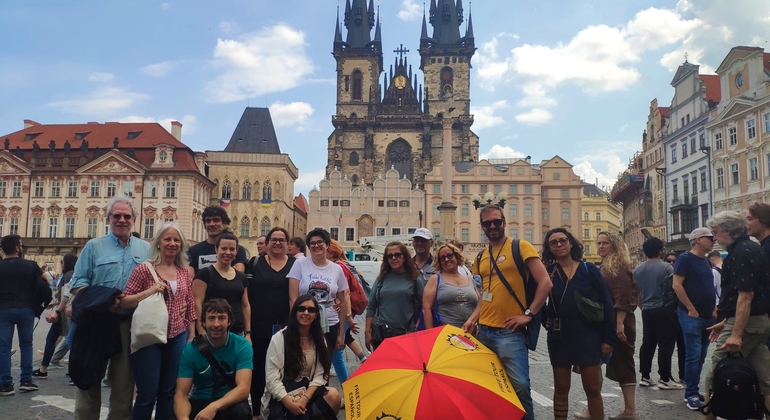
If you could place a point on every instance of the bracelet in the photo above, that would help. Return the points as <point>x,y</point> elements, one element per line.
<point>306,397</point>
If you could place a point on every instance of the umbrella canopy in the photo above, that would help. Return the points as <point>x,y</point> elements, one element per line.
<point>441,373</point>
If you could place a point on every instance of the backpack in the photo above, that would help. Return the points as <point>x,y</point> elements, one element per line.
<point>735,393</point>
<point>358,299</point>
<point>667,294</point>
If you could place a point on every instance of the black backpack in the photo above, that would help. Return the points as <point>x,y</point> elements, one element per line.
<point>667,294</point>
<point>735,393</point>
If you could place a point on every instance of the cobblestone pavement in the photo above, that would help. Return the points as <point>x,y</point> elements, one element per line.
<point>56,400</point>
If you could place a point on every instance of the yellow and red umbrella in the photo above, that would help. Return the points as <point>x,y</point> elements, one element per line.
<point>440,373</point>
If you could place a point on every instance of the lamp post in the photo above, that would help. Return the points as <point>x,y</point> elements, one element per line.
<point>489,197</point>
<point>707,151</point>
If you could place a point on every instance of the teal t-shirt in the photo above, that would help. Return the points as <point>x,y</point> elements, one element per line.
<point>235,355</point>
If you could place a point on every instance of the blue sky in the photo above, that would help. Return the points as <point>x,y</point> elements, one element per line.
<point>573,78</point>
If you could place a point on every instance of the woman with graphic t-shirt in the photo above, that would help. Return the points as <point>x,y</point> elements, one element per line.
<point>220,280</point>
<point>325,281</point>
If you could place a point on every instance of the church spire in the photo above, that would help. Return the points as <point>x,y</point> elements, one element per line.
<point>377,30</point>
<point>459,11</point>
<point>359,21</point>
<point>337,32</point>
<point>424,34</point>
<point>446,24</point>
<point>469,29</point>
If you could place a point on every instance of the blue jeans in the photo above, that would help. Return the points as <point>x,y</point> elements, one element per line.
<point>510,348</point>
<point>696,344</point>
<point>70,334</point>
<point>156,368</point>
<point>50,343</point>
<point>24,321</point>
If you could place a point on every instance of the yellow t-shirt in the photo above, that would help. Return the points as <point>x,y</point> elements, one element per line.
<point>503,305</point>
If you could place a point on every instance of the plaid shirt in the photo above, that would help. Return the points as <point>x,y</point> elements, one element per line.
<point>180,305</point>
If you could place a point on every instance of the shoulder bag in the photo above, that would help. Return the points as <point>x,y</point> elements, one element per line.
<point>590,310</point>
<point>149,324</point>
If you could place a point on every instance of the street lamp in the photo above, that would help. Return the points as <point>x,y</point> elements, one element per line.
<point>489,197</point>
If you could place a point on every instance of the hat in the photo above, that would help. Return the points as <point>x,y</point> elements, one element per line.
<point>700,233</point>
<point>423,233</point>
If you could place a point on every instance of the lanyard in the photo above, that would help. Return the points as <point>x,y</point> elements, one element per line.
<point>493,261</point>
<point>560,270</point>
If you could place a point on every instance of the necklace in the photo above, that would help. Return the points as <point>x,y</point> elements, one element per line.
<point>304,338</point>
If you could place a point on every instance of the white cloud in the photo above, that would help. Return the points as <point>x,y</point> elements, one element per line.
<point>165,6</point>
<point>536,116</point>
<point>104,100</point>
<point>101,77</point>
<point>158,69</point>
<point>294,113</point>
<point>228,26</point>
<point>607,179</point>
<point>271,60</point>
<point>307,180</point>
<point>535,96</point>
<point>501,152</point>
<point>410,11</point>
<point>188,122</point>
<point>484,116</point>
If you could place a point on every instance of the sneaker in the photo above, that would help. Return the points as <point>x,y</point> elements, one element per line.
<point>28,386</point>
<point>333,372</point>
<point>105,383</point>
<point>670,384</point>
<point>55,366</point>
<point>694,403</point>
<point>40,375</point>
<point>701,397</point>
<point>6,390</point>
<point>70,382</point>
<point>646,382</point>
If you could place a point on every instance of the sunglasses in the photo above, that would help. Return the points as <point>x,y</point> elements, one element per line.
<point>117,217</point>
<point>556,242</point>
<point>671,261</point>
<point>308,309</point>
<point>447,257</point>
<point>394,255</point>
<point>488,223</point>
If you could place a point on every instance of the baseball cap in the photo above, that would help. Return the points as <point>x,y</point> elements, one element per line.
<point>423,233</point>
<point>700,232</point>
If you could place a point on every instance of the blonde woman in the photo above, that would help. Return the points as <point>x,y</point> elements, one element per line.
<point>452,292</point>
<point>616,270</point>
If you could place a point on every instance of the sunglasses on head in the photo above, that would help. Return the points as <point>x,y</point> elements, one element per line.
<point>489,223</point>
<point>308,309</point>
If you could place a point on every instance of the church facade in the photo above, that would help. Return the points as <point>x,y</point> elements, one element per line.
<point>392,121</point>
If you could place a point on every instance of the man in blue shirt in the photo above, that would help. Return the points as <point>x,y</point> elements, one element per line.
<point>108,261</point>
<point>694,287</point>
<point>215,397</point>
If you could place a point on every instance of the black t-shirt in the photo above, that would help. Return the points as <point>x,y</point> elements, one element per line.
<point>269,297</point>
<point>698,283</point>
<point>229,290</point>
<point>18,282</point>
<point>744,270</point>
<point>204,254</point>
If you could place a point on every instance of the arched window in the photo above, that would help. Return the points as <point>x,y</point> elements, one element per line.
<point>246,195</point>
<point>267,193</point>
<point>355,179</point>
<point>585,216</point>
<point>354,158</point>
<point>226,190</point>
<point>245,227</point>
<point>358,83</point>
<point>265,226</point>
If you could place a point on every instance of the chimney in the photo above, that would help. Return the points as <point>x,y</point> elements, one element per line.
<point>176,130</point>
<point>30,123</point>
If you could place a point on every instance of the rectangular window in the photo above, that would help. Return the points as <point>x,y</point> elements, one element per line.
<point>544,213</point>
<point>675,222</point>
<point>107,228</point>
<point>692,144</point>
<point>402,203</point>
<point>2,222</point>
<point>751,128</point>
<point>55,188</point>
<point>16,189</point>
<point>673,155</point>
<point>380,231</point>
<point>528,210</point>
<point>53,227</point>
<point>151,190</point>
<point>543,193</point>
<point>91,227</point>
<point>436,188</point>
<point>335,203</point>
<point>686,188</point>
<point>684,150</point>
<point>587,249</point>
<point>753,169</point>
<point>565,193</point>
<point>380,203</point>
<point>720,178</point>
<point>513,210</point>
<point>767,158</point>
<point>734,173</point>
<point>171,220</point>
<point>346,203</point>
<point>3,186</point>
<point>436,212</point>
<point>350,234</point>
<point>702,140</point>
<point>69,227</point>
<point>483,188</point>
<point>464,209</point>
<point>392,203</point>
<point>13,226</point>
<point>704,212</point>
<point>733,134</point>
<point>465,235</point>
<point>598,231</point>
<point>528,234</point>
<point>694,184</point>
<point>586,233</point>
<point>72,189</point>
<point>411,231</point>
<point>703,181</point>
<point>465,188</point>
<point>565,213</point>
<point>149,228</point>
<point>395,231</point>
<point>718,141</point>
<point>128,189</point>
<point>498,189</point>
<point>334,232</point>
<point>513,189</point>
<point>767,123</point>
<point>170,189</point>
<point>94,189</point>
<point>324,203</point>
<point>528,189</point>
<point>39,187</point>
<point>437,232</point>
<point>112,188</point>
<point>675,191</point>
<point>36,221</point>
<point>515,233</point>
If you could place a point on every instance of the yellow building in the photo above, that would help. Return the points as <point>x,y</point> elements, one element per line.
<point>56,198</point>
<point>599,214</point>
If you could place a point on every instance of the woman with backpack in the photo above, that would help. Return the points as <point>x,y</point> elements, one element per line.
<point>269,301</point>
<point>451,292</point>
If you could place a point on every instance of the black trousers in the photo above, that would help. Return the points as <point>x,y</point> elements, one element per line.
<point>237,411</point>
<point>260,346</point>
<point>659,330</point>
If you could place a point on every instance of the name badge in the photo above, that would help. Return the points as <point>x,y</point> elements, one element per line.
<point>487,296</point>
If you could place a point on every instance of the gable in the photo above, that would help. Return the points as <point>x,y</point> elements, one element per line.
<point>11,165</point>
<point>111,163</point>
<point>734,107</point>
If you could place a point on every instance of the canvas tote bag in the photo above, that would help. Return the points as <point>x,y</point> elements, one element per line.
<point>149,324</point>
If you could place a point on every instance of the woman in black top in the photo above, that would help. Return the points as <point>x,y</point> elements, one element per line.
<point>269,299</point>
<point>220,280</point>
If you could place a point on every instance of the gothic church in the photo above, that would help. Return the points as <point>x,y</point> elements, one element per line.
<point>398,123</point>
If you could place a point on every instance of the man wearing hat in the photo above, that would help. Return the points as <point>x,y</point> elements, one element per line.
<point>422,242</point>
<point>694,287</point>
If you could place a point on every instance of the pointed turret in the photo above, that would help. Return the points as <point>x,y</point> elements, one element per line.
<point>347,12</point>
<point>371,13</point>
<point>459,11</point>
<point>337,31</point>
<point>377,30</point>
<point>469,30</point>
<point>424,33</point>
<point>359,21</point>
<point>446,25</point>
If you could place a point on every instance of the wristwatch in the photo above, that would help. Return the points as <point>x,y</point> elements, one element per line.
<point>529,313</point>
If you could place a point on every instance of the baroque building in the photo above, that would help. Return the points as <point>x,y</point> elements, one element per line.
<point>600,214</point>
<point>653,213</point>
<point>628,191</point>
<point>396,122</point>
<point>56,198</point>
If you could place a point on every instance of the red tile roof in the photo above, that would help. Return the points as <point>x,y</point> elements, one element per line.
<point>146,136</point>
<point>713,87</point>
<point>664,111</point>
<point>301,202</point>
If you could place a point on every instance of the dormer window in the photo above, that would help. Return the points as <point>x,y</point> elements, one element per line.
<point>81,136</point>
<point>133,134</point>
<point>31,136</point>
<point>162,156</point>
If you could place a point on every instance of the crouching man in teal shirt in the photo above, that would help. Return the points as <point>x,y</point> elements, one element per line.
<point>219,391</point>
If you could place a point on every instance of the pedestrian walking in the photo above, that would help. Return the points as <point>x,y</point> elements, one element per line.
<point>453,294</point>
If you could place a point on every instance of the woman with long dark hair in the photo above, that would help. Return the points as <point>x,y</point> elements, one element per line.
<point>396,297</point>
<point>572,340</point>
<point>297,367</point>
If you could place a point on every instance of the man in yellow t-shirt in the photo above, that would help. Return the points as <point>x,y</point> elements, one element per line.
<point>502,322</point>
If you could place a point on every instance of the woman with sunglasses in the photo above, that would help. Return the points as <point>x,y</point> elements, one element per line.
<point>396,297</point>
<point>221,280</point>
<point>298,364</point>
<point>616,271</point>
<point>156,366</point>
<point>453,293</point>
<point>325,281</point>
<point>573,341</point>
<point>269,301</point>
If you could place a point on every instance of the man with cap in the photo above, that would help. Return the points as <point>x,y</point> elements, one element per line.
<point>422,242</point>
<point>694,287</point>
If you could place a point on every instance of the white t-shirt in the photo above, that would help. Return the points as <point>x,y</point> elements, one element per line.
<point>322,283</point>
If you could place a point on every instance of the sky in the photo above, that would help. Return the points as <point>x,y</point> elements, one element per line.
<point>567,77</point>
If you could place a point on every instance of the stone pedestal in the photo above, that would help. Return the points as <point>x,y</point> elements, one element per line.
<point>447,218</point>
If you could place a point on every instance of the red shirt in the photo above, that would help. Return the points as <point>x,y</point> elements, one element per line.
<point>180,305</point>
